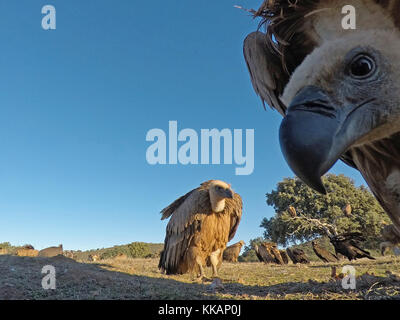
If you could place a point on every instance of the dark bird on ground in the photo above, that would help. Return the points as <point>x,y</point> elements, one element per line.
<point>284,256</point>
<point>232,252</point>
<point>258,253</point>
<point>297,255</point>
<point>323,254</point>
<point>338,89</point>
<point>202,222</point>
<point>349,246</point>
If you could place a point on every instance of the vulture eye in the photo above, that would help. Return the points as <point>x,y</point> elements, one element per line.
<point>362,67</point>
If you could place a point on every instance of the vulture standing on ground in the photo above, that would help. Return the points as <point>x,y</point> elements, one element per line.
<point>268,252</point>
<point>338,89</point>
<point>232,252</point>
<point>323,254</point>
<point>284,256</point>
<point>263,254</point>
<point>297,255</point>
<point>390,239</point>
<point>258,253</point>
<point>202,222</point>
<point>273,249</point>
<point>347,245</point>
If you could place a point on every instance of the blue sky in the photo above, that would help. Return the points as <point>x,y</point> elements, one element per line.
<point>78,101</point>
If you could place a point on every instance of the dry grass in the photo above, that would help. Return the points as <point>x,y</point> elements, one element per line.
<point>27,253</point>
<point>140,279</point>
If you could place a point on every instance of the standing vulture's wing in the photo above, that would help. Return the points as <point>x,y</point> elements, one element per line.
<point>187,214</point>
<point>234,208</point>
<point>266,72</point>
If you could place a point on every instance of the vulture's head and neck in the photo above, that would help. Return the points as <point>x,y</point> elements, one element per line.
<point>344,102</point>
<point>219,191</point>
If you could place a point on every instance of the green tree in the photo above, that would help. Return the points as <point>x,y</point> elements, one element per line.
<point>367,215</point>
<point>138,250</point>
<point>5,245</point>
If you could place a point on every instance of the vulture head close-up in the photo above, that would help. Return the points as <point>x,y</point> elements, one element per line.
<point>338,89</point>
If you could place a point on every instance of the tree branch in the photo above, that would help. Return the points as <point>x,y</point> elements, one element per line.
<point>329,229</point>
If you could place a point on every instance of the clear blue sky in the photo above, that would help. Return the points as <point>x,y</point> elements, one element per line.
<point>76,104</point>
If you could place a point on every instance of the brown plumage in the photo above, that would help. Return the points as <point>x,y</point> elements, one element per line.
<point>390,238</point>
<point>284,256</point>
<point>259,253</point>
<point>267,252</point>
<point>51,251</point>
<point>347,210</point>
<point>348,245</point>
<point>319,76</point>
<point>202,222</point>
<point>297,255</point>
<point>274,252</point>
<point>323,254</point>
<point>292,212</point>
<point>263,254</point>
<point>232,252</point>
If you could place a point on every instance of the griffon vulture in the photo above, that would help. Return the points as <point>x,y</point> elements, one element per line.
<point>347,210</point>
<point>232,252</point>
<point>268,252</point>
<point>292,212</point>
<point>323,254</point>
<point>273,250</point>
<point>338,89</point>
<point>263,254</point>
<point>390,239</point>
<point>202,222</point>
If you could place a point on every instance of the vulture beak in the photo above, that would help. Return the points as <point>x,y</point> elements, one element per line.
<point>315,133</point>
<point>229,194</point>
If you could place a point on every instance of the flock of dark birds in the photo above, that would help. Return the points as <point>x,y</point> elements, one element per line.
<point>346,245</point>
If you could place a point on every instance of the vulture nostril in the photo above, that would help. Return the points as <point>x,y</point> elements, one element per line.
<point>315,107</point>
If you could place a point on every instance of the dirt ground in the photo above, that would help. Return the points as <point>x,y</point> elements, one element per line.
<point>21,278</point>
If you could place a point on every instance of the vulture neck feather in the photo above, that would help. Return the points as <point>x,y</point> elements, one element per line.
<point>379,164</point>
<point>217,203</point>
